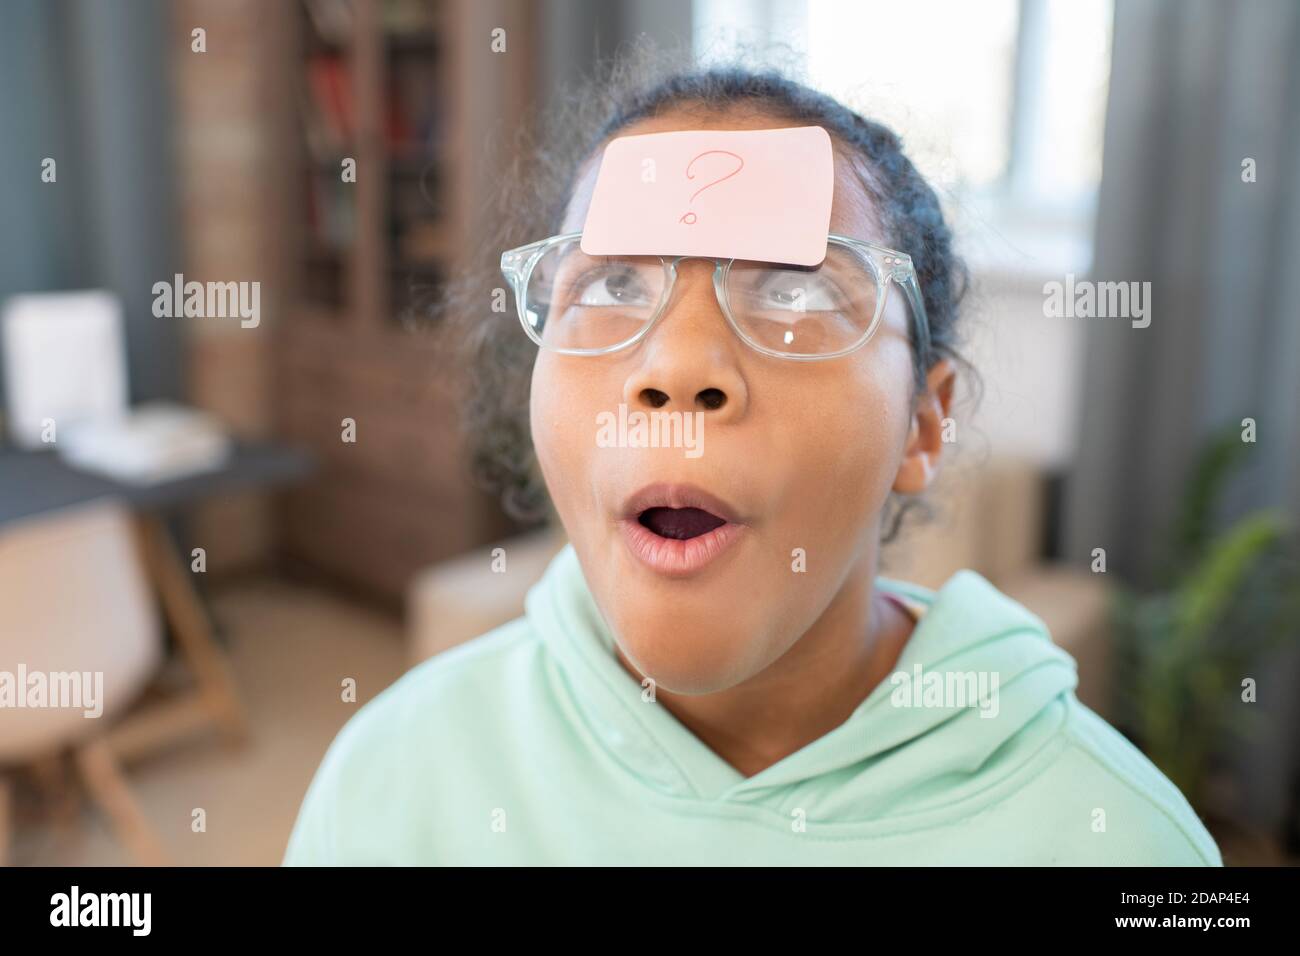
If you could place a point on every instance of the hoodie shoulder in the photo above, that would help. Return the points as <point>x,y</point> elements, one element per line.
<point>1157,825</point>
<point>472,671</point>
<point>403,736</point>
<point>1100,798</point>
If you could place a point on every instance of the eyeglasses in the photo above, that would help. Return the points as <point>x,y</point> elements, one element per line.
<point>576,304</point>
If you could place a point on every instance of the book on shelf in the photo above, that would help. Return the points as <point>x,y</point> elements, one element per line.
<point>329,107</point>
<point>331,213</point>
<point>422,242</point>
<point>333,20</point>
<point>408,17</point>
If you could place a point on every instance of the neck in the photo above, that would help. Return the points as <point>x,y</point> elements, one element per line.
<point>807,692</point>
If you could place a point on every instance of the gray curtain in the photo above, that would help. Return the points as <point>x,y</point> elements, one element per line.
<point>1198,86</point>
<point>87,84</point>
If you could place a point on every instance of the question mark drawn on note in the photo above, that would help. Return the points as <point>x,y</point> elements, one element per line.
<point>690,218</point>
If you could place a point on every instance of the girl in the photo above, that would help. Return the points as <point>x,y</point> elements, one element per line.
<point>711,671</point>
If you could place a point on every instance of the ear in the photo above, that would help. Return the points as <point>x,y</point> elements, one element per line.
<point>925,437</point>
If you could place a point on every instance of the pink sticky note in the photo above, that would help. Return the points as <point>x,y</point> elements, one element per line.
<point>743,194</point>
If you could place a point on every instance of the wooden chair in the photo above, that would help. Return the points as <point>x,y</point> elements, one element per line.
<point>76,597</point>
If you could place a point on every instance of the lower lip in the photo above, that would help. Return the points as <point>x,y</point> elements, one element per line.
<point>678,557</point>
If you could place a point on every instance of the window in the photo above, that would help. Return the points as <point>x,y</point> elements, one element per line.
<point>1000,103</point>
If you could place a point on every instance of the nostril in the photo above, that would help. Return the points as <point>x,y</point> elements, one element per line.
<point>712,398</point>
<point>654,398</point>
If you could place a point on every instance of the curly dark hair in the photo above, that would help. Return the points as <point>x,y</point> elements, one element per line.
<point>534,197</point>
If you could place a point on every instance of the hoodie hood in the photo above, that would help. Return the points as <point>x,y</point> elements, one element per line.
<point>978,690</point>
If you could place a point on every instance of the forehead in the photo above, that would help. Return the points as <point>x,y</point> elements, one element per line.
<point>852,212</point>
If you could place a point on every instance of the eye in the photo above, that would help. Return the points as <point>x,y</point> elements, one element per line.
<point>799,292</point>
<point>609,286</point>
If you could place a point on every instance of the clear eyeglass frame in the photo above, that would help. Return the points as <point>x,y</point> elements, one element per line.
<point>889,265</point>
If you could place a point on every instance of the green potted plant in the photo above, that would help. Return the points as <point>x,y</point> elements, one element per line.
<point>1187,649</point>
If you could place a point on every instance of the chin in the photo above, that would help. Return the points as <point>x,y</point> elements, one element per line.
<point>691,653</point>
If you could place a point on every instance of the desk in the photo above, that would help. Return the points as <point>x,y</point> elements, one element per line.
<point>33,483</point>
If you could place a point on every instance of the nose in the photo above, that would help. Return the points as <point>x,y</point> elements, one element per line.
<point>689,362</point>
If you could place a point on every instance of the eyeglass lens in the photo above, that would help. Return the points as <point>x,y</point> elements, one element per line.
<point>590,303</point>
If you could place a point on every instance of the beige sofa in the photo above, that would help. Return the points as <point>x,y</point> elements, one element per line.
<point>989,520</point>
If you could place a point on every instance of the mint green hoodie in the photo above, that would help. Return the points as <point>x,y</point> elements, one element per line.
<point>532,745</point>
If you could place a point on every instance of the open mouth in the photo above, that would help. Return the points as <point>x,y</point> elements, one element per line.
<point>680,524</point>
<point>677,530</point>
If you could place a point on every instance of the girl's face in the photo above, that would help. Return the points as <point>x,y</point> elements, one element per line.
<point>798,457</point>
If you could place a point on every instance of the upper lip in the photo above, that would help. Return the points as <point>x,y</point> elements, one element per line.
<point>664,495</point>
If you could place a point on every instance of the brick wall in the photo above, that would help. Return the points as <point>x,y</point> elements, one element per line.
<point>229,143</point>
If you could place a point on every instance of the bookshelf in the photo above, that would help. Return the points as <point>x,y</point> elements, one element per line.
<point>402,88</point>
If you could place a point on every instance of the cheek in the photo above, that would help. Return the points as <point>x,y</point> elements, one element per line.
<point>868,431</point>
<point>558,418</point>
<point>846,430</point>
